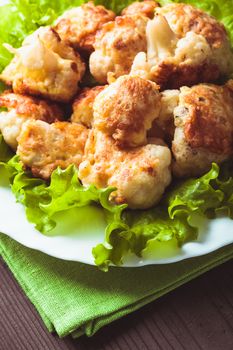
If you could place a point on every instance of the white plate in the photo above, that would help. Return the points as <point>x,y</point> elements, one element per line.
<point>75,235</point>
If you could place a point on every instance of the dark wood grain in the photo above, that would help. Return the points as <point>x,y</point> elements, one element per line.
<point>198,315</point>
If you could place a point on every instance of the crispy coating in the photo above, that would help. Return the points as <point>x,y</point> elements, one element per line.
<point>45,66</point>
<point>126,109</point>
<point>79,25</point>
<point>20,108</point>
<point>43,147</point>
<point>204,128</point>
<point>139,174</point>
<point>116,45</point>
<point>31,107</point>
<point>146,8</point>
<point>185,46</point>
<point>83,106</point>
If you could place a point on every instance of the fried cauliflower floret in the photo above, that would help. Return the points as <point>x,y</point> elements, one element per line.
<point>183,18</point>
<point>146,8</point>
<point>79,25</point>
<point>164,126</point>
<point>116,45</point>
<point>83,106</point>
<point>43,147</point>
<point>20,108</point>
<point>44,66</point>
<point>126,109</point>
<point>139,174</point>
<point>185,46</point>
<point>204,129</point>
<point>169,101</point>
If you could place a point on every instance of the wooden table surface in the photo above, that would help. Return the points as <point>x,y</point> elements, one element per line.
<point>198,315</point>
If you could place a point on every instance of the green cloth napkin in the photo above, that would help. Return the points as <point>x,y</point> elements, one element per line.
<point>73,298</point>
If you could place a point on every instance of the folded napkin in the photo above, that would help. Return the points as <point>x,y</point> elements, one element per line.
<point>73,298</point>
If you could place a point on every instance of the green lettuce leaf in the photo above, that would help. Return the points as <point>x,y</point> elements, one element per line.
<point>225,184</point>
<point>42,200</point>
<point>5,152</point>
<point>172,219</point>
<point>127,231</point>
<point>195,195</point>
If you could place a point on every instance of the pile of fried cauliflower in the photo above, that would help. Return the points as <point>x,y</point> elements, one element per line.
<point>158,110</point>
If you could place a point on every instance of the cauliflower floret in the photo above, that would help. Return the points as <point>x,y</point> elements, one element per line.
<point>183,18</point>
<point>192,49</point>
<point>20,108</point>
<point>83,106</point>
<point>146,8</point>
<point>116,45</point>
<point>43,147</point>
<point>44,66</point>
<point>79,25</point>
<point>185,46</point>
<point>169,101</point>
<point>204,129</point>
<point>141,67</point>
<point>126,109</point>
<point>139,174</point>
<point>164,126</point>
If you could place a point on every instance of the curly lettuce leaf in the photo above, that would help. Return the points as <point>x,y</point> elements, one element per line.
<point>127,231</point>
<point>5,152</point>
<point>225,184</point>
<point>134,231</point>
<point>195,195</point>
<point>172,219</point>
<point>42,200</point>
